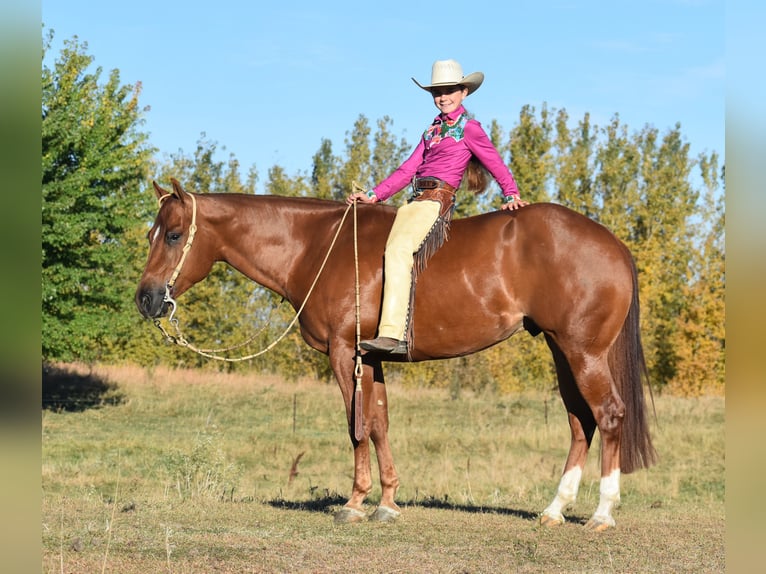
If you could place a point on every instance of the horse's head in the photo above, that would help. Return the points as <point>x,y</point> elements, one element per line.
<point>176,261</point>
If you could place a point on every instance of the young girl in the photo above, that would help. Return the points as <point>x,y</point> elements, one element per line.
<point>453,145</point>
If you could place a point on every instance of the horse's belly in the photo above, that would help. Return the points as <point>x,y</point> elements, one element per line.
<point>456,332</point>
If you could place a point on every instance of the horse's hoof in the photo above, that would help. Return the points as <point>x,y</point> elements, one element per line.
<point>550,521</point>
<point>348,515</point>
<point>600,523</point>
<point>384,514</point>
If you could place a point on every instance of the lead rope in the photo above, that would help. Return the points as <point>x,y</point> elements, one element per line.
<point>179,338</point>
<point>358,370</point>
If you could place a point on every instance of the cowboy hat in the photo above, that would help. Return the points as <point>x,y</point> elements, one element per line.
<point>450,73</point>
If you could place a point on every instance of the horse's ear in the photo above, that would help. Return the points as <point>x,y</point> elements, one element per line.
<point>178,190</point>
<point>158,190</point>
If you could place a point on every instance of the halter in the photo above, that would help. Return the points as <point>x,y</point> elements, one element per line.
<point>177,271</point>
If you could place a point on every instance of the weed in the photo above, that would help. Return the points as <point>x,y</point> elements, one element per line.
<point>203,471</point>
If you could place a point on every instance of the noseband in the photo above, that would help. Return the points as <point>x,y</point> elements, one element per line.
<point>189,240</point>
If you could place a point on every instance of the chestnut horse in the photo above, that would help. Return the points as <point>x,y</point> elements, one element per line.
<point>543,268</point>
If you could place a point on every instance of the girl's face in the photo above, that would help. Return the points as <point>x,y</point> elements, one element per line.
<point>449,98</point>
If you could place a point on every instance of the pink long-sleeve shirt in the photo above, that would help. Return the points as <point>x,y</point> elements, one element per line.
<point>444,151</point>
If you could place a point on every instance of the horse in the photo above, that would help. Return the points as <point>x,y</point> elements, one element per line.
<point>543,268</point>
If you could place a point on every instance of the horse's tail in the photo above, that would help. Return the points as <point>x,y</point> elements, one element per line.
<point>628,366</point>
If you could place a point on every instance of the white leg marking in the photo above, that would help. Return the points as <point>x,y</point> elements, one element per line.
<point>566,494</point>
<point>609,497</point>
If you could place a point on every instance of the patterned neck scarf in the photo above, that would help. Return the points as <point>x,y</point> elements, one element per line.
<point>446,128</point>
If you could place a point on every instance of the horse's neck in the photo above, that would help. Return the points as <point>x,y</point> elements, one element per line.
<point>266,237</point>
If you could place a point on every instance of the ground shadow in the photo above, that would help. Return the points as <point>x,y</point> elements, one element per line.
<point>64,389</point>
<point>322,504</point>
<point>330,503</point>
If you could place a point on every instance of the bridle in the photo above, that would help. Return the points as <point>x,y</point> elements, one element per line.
<point>187,246</point>
<point>180,339</point>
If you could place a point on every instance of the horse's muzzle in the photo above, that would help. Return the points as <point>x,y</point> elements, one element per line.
<point>151,302</point>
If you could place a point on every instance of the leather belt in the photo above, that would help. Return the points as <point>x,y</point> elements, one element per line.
<point>431,183</point>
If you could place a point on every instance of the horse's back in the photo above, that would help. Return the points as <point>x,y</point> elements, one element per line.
<point>544,263</point>
<point>544,236</point>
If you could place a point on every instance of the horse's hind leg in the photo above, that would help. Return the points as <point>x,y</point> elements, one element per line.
<point>596,389</point>
<point>609,411</point>
<point>582,426</point>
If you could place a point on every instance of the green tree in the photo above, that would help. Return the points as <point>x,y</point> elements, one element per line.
<point>617,181</point>
<point>94,161</point>
<point>387,155</point>
<point>574,170</point>
<point>279,182</point>
<point>323,171</point>
<point>531,154</point>
<point>356,166</point>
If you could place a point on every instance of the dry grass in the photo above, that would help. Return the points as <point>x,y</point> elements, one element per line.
<point>474,474</point>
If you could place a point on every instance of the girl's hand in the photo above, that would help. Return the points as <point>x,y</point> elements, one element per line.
<point>361,196</point>
<point>515,204</point>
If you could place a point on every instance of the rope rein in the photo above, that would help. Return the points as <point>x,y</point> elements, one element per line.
<point>179,339</point>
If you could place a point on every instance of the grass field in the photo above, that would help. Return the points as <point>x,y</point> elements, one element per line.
<point>184,471</point>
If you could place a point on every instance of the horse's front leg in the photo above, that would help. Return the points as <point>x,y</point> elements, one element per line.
<point>375,426</point>
<point>342,361</point>
<point>353,510</point>
<point>376,415</point>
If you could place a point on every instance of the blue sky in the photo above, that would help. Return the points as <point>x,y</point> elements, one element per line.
<point>269,81</point>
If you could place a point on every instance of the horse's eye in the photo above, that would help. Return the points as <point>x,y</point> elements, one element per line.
<point>172,237</point>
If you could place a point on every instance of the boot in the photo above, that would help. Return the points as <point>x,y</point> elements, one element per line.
<point>385,345</point>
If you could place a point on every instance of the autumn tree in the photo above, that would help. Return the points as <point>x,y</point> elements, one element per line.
<point>701,323</point>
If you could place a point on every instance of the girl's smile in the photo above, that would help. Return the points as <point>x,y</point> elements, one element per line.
<point>449,98</point>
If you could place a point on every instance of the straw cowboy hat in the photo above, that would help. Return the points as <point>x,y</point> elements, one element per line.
<point>450,73</point>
